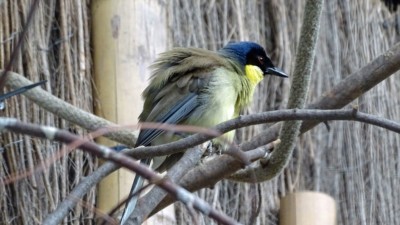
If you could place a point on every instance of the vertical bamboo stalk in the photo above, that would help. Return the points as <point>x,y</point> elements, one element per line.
<point>127,36</point>
<point>307,208</point>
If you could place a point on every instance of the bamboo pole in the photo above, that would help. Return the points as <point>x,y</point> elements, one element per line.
<point>127,36</point>
<point>307,208</point>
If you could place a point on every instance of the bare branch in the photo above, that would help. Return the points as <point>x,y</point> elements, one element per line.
<point>299,89</point>
<point>222,166</point>
<point>243,175</point>
<point>216,170</point>
<point>254,119</point>
<point>51,133</point>
<point>217,166</point>
<point>68,111</point>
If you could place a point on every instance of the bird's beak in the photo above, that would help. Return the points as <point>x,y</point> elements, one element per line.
<point>275,71</point>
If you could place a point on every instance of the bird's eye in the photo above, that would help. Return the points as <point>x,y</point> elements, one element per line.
<point>260,60</point>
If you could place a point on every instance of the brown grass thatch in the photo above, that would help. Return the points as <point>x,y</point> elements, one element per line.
<point>56,49</point>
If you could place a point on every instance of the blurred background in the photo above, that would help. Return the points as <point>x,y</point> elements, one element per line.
<point>355,163</point>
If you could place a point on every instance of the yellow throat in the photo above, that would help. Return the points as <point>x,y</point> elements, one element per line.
<point>254,74</point>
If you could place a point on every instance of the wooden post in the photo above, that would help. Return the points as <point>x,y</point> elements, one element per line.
<point>127,36</point>
<point>307,208</point>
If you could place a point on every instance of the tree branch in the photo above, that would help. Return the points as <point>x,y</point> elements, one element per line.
<point>68,111</point>
<point>243,175</point>
<point>299,89</point>
<point>51,133</point>
<point>220,167</point>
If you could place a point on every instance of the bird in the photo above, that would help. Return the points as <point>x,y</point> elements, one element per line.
<point>198,87</point>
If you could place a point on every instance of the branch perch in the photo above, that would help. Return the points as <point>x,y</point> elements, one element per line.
<point>51,133</point>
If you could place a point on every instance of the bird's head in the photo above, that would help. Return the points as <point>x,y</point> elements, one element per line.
<point>253,57</point>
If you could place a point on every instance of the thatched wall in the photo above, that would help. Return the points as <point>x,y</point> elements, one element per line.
<point>355,163</point>
<point>56,49</point>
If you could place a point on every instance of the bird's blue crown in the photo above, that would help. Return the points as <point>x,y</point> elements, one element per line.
<point>239,50</point>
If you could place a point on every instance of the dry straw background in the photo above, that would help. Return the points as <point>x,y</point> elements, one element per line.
<point>355,163</point>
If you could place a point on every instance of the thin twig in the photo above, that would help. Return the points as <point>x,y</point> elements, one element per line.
<point>18,47</point>
<point>313,115</point>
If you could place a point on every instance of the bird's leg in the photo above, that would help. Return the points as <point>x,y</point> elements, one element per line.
<point>209,148</point>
